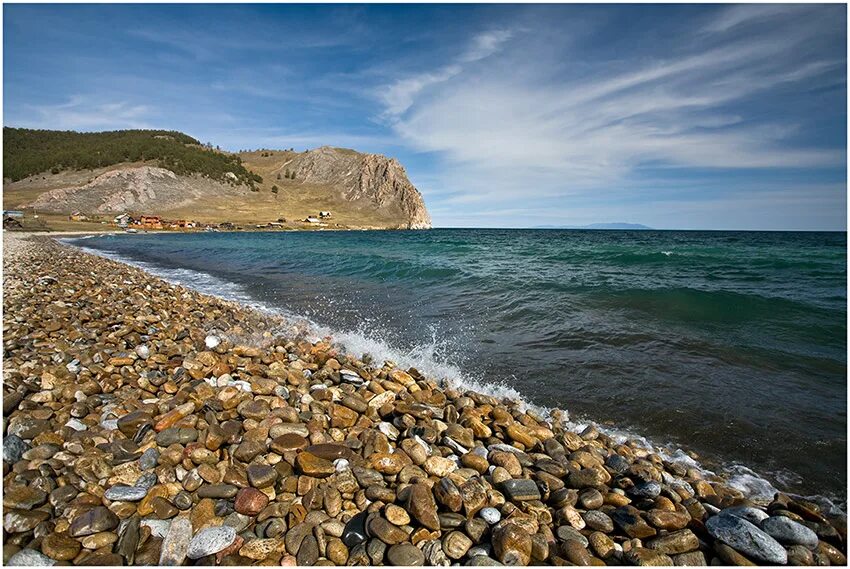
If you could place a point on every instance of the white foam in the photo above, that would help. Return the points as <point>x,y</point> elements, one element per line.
<point>424,357</point>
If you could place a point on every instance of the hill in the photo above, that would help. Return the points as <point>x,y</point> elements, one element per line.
<point>27,152</point>
<point>170,174</point>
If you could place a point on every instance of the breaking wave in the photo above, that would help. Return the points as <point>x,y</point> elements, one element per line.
<point>426,358</point>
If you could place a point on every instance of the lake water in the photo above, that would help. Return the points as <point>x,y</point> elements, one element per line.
<point>729,344</point>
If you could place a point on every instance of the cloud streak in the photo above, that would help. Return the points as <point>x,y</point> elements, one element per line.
<point>671,112</point>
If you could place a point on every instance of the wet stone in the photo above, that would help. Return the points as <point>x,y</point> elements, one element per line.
<point>787,531</point>
<point>125,493</point>
<point>645,490</point>
<point>568,533</point>
<point>681,541</point>
<point>629,520</point>
<point>746,538</point>
<point>93,521</point>
<point>355,530</point>
<point>598,521</point>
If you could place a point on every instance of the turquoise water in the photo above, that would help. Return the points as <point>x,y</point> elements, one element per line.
<point>730,344</point>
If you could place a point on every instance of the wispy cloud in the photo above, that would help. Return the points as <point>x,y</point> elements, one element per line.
<point>400,95</point>
<point>82,113</point>
<point>543,135</point>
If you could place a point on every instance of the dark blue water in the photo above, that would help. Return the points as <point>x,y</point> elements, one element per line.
<point>730,344</point>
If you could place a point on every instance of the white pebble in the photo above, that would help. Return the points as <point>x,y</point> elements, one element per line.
<point>212,341</point>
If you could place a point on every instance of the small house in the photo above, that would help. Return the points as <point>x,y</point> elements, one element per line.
<point>13,213</point>
<point>150,222</point>
<point>77,216</point>
<point>122,220</point>
<point>324,214</point>
<point>312,220</point>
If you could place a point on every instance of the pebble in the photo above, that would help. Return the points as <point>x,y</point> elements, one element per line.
<point>785,530</point>
<point>14,448</point>
<point>405,555</point>
<point>29,558</point>
<point>746,538</point>
<point>276,448</point>
<point>125,493</point>
<point>175,546</point>
<point>93,521</point>
<point>210,540</point>
<point>520,490</point>
<point>490,515</point>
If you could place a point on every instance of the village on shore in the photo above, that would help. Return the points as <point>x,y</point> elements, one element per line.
<point>12,219</point>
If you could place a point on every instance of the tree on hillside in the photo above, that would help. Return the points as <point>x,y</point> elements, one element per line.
<point>274,191</point>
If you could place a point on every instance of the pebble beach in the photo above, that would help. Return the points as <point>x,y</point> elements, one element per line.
<point>148,424</point>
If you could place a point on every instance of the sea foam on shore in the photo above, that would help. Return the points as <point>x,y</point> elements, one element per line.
<point>424,357</point>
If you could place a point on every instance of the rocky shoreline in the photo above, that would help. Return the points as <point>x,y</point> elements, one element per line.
<point>148,424</point>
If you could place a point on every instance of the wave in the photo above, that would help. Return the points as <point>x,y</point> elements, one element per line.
<point>426,358</point>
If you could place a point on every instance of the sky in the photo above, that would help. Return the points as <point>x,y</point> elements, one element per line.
<point>673,116</point>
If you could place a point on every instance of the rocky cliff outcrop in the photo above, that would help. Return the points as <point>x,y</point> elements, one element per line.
<point>360,177</point>
<point>142,189</point>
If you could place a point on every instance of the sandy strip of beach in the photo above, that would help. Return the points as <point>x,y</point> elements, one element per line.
<point>149,424</point>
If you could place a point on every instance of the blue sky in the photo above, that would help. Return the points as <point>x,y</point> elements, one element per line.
<point>677,116</point>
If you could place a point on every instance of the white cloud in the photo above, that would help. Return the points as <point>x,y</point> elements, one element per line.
<point>400,95</point>
<point>540,133</point>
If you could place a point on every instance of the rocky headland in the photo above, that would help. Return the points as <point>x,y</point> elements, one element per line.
<point>147,424</point>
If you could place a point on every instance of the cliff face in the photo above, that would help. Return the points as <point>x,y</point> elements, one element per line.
<point>362,191</point>
<point>370,178</point>
<point>136,189</point>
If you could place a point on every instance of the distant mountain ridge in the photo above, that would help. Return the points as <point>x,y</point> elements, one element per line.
<point>630,226</point>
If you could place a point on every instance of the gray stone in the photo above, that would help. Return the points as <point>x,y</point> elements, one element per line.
<point>159,528</point>
<point>210,541</point>
<point>617,463</point>
<point>599,521</point>
<point>649,490</point>
<point>13,448</point>
<point>567,533</point>
<point>787,531</point>
<point>29,558</point>
<point>147,480</point>
<point>490,515</point>
<point>752,515</point>
<point>741,535</point>
<point>125,493</point>
<point>149,459</point>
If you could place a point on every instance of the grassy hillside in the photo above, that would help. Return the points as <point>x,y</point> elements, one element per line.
<point>27,152</point>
